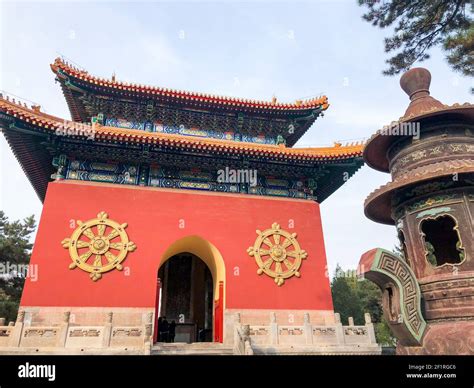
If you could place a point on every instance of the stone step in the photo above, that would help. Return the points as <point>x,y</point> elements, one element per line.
<point>197,348</point>
<point>188,352</point>
<point>194,345</point>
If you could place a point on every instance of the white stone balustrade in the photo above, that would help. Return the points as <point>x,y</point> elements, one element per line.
<point>313,338</point>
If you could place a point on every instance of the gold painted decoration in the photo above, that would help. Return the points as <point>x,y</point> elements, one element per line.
<point>277,254</point>
<point>98,245</point>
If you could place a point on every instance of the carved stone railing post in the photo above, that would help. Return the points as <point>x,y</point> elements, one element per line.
<point>351,321</point>
<point>241,336</point>
<point>148,343</point>
<point>2,321</point>
<point>242,344</point>
<point>108,330</point>
<point>308,329</point>
<point>18,330</point>
<point>273,329</point>
<point>62,333</point>
<point>339,329</point>
<point>148,334</point>
<point>246,340</point>
<point>237,326</point>
<point>370,328</point>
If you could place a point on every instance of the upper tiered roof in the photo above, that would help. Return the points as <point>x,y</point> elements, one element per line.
<point>77,84</point>
<point>61,68</point>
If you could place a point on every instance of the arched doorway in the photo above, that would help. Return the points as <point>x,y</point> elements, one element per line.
<point>190,291</point>
<point>186,299</point>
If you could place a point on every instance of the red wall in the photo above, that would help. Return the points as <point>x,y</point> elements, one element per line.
<point>227,221</point>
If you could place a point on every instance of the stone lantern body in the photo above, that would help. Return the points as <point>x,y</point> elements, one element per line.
<point>428,290</point>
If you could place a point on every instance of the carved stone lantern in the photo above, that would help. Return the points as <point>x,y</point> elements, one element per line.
<point>428,290</point>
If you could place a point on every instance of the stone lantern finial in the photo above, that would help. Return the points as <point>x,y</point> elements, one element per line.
<point>416,83</point>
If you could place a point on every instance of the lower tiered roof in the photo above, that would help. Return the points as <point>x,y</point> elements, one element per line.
<point>35,138</point>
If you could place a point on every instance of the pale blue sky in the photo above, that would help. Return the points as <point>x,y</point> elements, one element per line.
<point>287,49</point>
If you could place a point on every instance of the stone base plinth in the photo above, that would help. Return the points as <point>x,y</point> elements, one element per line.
<point>444,338</point>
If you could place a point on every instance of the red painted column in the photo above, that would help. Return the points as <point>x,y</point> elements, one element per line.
<point>219,315</point>
<point>157,309</point>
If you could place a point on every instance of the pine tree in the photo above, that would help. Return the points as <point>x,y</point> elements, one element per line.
<point>15,251</point>
<point>420,25</point>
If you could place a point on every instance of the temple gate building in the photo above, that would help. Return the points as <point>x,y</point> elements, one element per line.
<point>189,206</point>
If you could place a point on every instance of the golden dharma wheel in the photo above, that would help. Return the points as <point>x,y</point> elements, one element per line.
<point>277,254</point>
<point>98,245</point>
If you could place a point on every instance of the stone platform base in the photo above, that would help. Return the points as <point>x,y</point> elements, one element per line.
<point>71,352</point>
<point>52,330</point>
<point>196,349</point>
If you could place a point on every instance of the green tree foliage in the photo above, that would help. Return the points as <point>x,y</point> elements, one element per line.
<point>353,297</point>
<point>346,301</point>
<point>15,251</point>
<point>460,48</point>
<point>422,24</point>
<point>384,334</point>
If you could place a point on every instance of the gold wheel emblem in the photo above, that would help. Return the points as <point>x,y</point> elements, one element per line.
<point>277,254</point>
<point>98,245</point>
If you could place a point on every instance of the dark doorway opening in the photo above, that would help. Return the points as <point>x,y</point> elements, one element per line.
<point>186,299</point>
